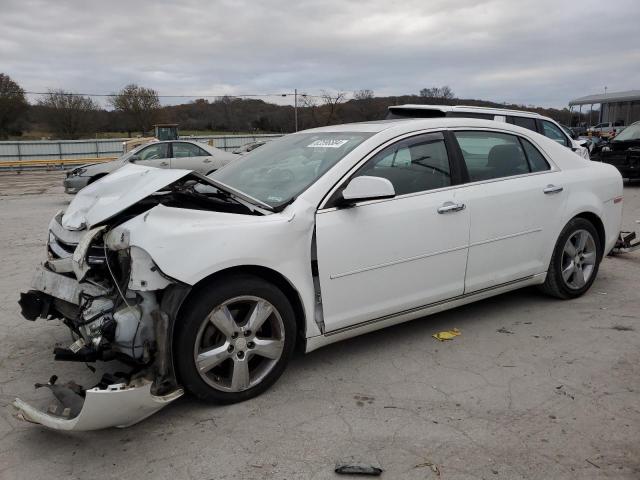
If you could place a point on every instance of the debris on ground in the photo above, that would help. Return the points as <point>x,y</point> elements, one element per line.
<point>623,328</point>
<point>358,466</point>
<point>434,468</point>
<point>447,334</point>
<point>504,330</point>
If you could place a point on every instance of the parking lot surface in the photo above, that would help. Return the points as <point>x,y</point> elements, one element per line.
<point>533,388</point>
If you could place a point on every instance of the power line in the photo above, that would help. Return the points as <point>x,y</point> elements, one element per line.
<point>247,95</point>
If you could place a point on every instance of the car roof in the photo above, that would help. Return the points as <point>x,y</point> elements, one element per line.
<point>466,109</point>
<point>415,123</point>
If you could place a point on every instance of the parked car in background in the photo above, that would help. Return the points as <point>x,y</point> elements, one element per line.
<point>529,120</point>
<point>623,151</point>
<point>607,129</point>
<point>208,283</point>
<point>248,147</point>
<point>184,154</point>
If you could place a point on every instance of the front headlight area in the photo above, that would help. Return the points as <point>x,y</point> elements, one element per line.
<point>109,294</point>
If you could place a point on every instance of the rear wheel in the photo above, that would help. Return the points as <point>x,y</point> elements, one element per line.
<point>235,339</point>
<point>575,261</point>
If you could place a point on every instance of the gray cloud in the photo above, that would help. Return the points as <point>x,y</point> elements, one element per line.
<point>540,52</point>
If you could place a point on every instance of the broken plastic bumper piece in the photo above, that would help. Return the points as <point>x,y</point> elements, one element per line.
<point>117,405</point>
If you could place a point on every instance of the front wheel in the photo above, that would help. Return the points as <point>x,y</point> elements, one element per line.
<point>575,260</point>
<point>234,339</point>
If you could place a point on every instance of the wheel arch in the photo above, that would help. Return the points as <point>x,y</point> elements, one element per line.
<point>265,273</point>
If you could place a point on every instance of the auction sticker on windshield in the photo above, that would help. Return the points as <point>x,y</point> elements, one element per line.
<point>327,143</point>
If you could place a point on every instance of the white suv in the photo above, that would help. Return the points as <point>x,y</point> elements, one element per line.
<point>532,121</point>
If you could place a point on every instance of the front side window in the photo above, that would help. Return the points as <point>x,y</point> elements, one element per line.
<point>414,164</point>
<point>554,133</point>
<point>156,151</point>
<point>283,168</point>
<point>186,150</point>
<point>489,155</point>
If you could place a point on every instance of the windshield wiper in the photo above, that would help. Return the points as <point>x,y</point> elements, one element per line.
<point>236,193</point>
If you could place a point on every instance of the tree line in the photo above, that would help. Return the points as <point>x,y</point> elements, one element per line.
<point>135,109</point>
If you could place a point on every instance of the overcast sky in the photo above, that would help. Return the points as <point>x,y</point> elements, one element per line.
<point>529,52</point>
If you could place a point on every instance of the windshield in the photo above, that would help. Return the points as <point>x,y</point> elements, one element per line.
<point>632,132</point>
<point>282,169</point>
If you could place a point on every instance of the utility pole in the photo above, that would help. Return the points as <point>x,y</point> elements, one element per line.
<point>295,107</point>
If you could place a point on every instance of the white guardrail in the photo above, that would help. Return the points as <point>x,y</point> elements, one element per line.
<point>17,155</point>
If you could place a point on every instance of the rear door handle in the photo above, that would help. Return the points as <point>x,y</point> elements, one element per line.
<point>450,207</point>
<point>551,189</point>
<point>206,160</point>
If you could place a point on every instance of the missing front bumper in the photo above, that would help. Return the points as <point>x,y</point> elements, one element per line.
<point>118,405</point>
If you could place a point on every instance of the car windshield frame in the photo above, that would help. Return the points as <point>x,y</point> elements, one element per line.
<point>279,171</point>
<point>632,131</point>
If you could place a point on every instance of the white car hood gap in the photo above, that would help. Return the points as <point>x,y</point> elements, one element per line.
<point>114,193</point>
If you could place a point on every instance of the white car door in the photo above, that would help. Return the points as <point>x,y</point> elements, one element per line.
<point>382,257</point>
<point>191,157</point>
<point>513,197</point>
<point>155,155</point>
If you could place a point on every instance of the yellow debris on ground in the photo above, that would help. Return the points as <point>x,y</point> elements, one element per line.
<point>447,334</point>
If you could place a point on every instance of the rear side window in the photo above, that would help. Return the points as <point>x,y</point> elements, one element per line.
<point>490,155</point>
<point>536,160</point>
<point>525,122</point>
<point>186,150</point>
<point>554,133</point>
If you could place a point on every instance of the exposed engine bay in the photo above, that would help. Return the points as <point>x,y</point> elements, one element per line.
<point>117,304</point>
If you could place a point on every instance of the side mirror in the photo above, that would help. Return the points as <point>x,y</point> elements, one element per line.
<point>134,158</point>
<point>367,188</point>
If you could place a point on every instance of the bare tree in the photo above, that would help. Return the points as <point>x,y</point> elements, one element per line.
<point>68,115</point>
<point>331,102</point>
<point>364,94</point>
<point>444,93</point>
<point>12,105</point>
<point>139,105</point>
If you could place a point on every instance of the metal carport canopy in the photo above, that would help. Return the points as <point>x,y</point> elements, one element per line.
<point>628,96</point>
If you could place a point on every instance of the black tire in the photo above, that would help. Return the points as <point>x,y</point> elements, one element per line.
<point>208,298</point>
<point>555,284</point>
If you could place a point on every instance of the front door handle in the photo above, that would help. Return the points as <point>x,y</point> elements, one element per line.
<point>164,164</point>
<point>551,189</point>
<point>450,207</point>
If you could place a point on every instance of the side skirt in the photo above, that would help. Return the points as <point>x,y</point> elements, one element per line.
<point>313,343</point>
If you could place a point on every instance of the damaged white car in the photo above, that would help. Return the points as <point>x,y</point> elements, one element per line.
<point>209,283</point>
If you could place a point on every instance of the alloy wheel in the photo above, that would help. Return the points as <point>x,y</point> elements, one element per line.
<point>578,259</point>
<point>239,343</point>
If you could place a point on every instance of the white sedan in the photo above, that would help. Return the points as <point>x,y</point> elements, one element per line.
<point>209,283</point>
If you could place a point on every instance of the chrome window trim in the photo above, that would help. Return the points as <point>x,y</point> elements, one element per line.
<point>553,167</point>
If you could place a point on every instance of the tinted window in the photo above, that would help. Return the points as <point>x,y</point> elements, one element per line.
<point>483,116</point>
<point>491,155</point>
<point>183,150</point>
<point>536,160</point>
<point>525,122</point>
<point>554,133</point>
<point>154,152</point>
<point>412,165</point>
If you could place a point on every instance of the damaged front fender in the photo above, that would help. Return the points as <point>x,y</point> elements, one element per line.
<point>118,405</point>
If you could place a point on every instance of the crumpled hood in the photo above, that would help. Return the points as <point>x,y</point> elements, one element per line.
<point>116,192</point>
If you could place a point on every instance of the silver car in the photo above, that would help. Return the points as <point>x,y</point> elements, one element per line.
<point>181,154</point>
